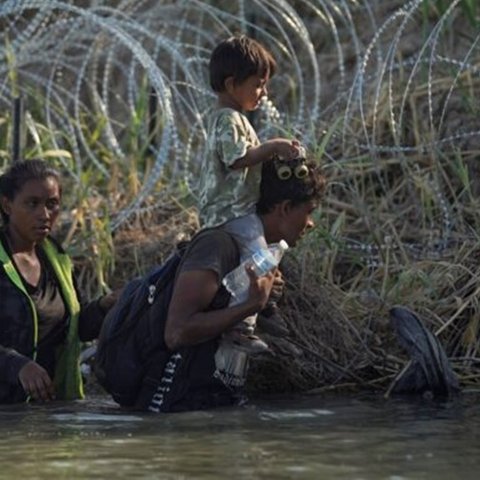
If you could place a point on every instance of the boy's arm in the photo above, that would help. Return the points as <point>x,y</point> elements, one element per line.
<point>287,149</point>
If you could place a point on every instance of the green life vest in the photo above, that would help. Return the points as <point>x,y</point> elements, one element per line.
<point>67,379</point>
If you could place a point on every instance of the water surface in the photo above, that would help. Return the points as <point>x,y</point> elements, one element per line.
<point>321,437</point>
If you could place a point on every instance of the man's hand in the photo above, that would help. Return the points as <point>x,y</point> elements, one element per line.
<point>260,287</point>
<point>36,382</point>
<point>278,286</point>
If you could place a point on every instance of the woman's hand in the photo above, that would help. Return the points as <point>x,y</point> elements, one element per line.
<point>36,382</point>
<point>108,301</point>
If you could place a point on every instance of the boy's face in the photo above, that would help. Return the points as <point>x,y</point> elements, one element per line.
<point>247,95</point>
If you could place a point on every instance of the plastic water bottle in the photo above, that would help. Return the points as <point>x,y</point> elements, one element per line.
<point>278,249</point>
<point>263,261</point>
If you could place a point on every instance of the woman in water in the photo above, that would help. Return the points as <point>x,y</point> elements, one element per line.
<point>42,320</point>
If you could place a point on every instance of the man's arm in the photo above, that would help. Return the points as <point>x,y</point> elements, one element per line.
<point>188,322</point>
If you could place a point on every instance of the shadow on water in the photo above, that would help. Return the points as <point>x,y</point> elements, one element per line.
<point>341,437</point>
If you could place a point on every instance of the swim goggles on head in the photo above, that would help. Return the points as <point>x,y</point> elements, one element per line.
<point>286,168</point>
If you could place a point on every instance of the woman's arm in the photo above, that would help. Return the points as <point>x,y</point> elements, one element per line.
<point>93,313</point>
<point>11,362</point>
<point>17,368</point>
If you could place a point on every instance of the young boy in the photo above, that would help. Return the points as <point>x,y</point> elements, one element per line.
<point>240,69</point>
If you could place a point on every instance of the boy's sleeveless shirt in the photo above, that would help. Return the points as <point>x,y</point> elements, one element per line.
<point>226,193</point>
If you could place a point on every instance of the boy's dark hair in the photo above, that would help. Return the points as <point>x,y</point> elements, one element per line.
<point>274,190</point>
<point>16,176</point>
<point>239,57</point>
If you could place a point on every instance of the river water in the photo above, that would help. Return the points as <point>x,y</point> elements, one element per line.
<point>309,437</point>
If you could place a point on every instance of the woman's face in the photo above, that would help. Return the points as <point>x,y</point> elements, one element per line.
<point>34,210</point>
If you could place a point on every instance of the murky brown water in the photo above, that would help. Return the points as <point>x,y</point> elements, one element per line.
<point>305,437</point>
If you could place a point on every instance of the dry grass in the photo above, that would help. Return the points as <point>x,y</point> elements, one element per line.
<point>336,301</point>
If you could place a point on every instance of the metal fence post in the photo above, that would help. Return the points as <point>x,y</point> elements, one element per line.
<point>18,136</point>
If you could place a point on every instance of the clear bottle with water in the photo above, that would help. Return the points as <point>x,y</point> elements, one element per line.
<point>237,282</point>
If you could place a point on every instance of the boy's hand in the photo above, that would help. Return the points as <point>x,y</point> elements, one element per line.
<point>287,149</point>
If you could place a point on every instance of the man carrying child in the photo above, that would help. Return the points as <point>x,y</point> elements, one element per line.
<point>240,69</point>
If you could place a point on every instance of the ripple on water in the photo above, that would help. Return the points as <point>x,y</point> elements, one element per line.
<point>82,417</point>
<point>294,414</point>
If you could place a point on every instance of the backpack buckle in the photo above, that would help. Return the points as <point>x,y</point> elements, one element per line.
<point>151,293</point>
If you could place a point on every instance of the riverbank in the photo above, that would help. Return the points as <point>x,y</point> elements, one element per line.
<point>339,340</point>
<point>382,94</point>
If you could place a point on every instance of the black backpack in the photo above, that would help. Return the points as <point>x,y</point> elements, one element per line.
<point>131,346</point>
